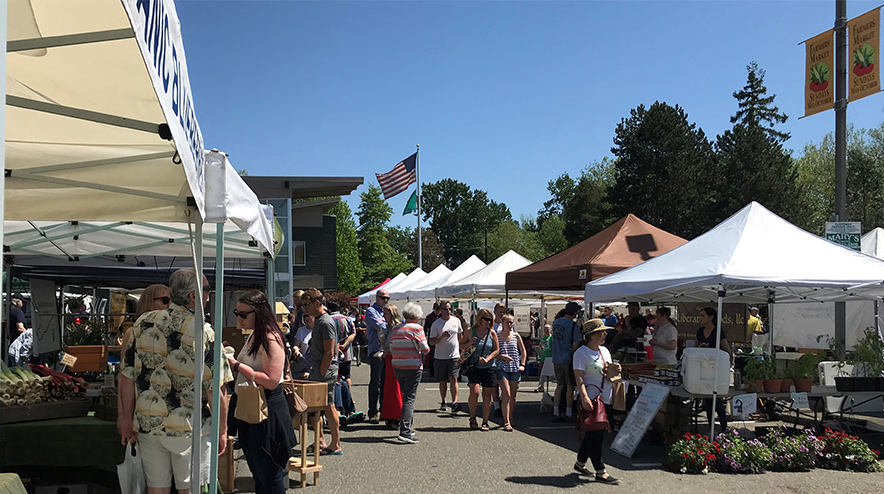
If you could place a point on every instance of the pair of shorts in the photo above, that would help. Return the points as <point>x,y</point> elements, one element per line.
<point>344,369</point>
<point>445,369</point>
<point>163,457</point>
<point>564,374</point>
<point>486,377</point>
<point>329,378</point>
<point>514,376</point>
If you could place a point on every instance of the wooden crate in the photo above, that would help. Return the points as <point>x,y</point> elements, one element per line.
<point>314,393</point>
<point>90,358</point>
<point>78,407</point>
<point>227,469</point>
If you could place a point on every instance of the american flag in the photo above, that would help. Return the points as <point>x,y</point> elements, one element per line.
<point>399,178</point>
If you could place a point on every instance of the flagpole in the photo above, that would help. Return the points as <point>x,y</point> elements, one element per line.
<point>420,257</point>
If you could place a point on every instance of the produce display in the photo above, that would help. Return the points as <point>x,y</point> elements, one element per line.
<point>650,372</point>
<point>23,386</point>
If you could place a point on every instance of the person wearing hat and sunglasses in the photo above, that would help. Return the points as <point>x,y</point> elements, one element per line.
<point>593,368</point>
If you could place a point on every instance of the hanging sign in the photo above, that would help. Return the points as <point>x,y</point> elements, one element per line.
<point>863,64</point>
<point>819,87</point>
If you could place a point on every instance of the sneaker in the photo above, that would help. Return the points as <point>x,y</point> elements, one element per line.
<point>607,480</point>
<point>373,419</point>
<point>582,470</point>
<point>408,439</point>
<point>455,407</point>
<point>569,418</point>
<point>442,407</point>
<point>556,418</point>
<point>355,418</point>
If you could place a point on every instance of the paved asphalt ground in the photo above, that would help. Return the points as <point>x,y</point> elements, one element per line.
<point>537,457</point>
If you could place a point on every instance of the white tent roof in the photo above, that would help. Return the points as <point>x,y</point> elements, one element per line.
<point>750,254</point>
<point>367,297</point>
<point>402,291</point>
<point>89,111</point>
<point>488,280</point>
<point>873,242</point>
<point>427,290</point>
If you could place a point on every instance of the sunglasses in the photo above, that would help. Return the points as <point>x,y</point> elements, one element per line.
<point>242,315</point>
<point>487,319</point>
<point>446,309</point>
<point>383,297</point>
<point>166,300</point>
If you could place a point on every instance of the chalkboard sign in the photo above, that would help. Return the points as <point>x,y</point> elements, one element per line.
<point>633,429</point>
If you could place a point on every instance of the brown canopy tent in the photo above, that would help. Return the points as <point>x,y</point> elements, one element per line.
<point>624,244</point>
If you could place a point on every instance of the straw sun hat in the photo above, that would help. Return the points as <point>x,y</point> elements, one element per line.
<point>593,325</point>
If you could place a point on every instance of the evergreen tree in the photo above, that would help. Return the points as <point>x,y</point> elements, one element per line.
<point>350,271</point>
<point>752,157</point>
<point>664,170</point>
<point>379,259</point>
<point>755,108</point>
<point>431,249</point>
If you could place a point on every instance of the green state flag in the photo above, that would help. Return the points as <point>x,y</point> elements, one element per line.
<point>411,206</point>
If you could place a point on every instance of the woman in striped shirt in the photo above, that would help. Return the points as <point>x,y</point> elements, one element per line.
<point>511,363</point>
<point>408,345</point>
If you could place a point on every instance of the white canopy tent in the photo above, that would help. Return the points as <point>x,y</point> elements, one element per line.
<point>367,298</point>
<point>872,243</point>
<point>402,292</point>
<point>752,257</point>
<point>489,280</point>
<point>100,126</point>
<point>427,290</point>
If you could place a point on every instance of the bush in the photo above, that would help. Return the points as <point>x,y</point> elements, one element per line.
<point>691,453</point>
<point>737,455</point>
<point>792,453</point>
<point>839,451</point>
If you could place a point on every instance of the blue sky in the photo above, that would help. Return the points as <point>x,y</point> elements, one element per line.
<point>501,95</point>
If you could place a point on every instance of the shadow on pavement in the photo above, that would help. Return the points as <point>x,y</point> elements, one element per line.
<point>570,480</point>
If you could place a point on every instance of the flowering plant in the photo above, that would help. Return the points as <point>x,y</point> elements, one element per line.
<point>737,455</point>
<point>839,451</point>
<point>792,453</point>
<point>691,453</point>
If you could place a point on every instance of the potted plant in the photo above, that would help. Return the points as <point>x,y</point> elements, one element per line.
<point>803,370</point>
<point>868,357</point>
<point>756,372</point>
<point>85,338</point>
<point>785,379</point>
<point>843,381</point>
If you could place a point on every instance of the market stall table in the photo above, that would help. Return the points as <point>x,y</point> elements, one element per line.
<point>60,443</point>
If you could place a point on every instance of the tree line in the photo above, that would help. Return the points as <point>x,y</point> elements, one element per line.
<point>664,169</point>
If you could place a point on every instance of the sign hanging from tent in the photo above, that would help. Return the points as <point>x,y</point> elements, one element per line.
<point>819,87</point>
<point>864,66</point>
<point>158,33</point>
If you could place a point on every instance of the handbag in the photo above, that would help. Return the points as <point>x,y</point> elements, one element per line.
<point>251,403</point>
<point>469,364</point>
<point>296,404</point>
<point>597,418</point>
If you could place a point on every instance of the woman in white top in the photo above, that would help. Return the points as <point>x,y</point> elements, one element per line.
<point>665,340</point>
<point>268,445</point>
<point>592,366</point>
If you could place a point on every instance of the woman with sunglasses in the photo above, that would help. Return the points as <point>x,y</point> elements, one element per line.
<point>484,373</point>
<point>268,445</point>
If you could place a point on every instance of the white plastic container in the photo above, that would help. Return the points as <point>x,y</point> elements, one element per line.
<point>699,366</point>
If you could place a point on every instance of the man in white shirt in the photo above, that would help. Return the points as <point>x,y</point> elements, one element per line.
<point>445,333</point>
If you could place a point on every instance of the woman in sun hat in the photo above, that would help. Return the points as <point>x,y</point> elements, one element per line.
<point>593,367</point>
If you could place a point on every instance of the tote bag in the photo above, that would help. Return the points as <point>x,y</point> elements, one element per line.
<point>251,404</point>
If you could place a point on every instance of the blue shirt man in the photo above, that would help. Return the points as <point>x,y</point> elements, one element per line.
<point>375,325</point>
<point>566,332</point>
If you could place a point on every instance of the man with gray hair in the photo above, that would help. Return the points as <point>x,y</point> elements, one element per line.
<point>408,343</point>
<point>156,388</point>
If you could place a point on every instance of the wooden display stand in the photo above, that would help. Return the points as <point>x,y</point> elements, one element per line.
<point>90,358</point>
<point>315,394</point>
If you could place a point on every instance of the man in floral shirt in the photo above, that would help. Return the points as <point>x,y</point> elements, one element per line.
<point>156,387</point>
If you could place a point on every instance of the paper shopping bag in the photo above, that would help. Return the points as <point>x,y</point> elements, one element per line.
<point>251,404</point>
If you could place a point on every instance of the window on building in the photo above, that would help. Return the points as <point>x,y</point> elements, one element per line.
<point>299,253</point>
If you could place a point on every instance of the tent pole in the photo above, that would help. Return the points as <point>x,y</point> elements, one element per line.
<point>218,325</point>
<point>770,309</point>
<point>198,343</point>
<point>721,294</point>
<point>3,342</point>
